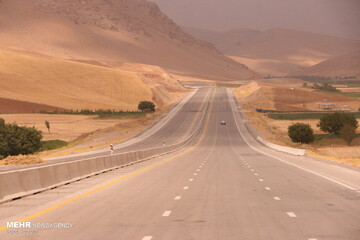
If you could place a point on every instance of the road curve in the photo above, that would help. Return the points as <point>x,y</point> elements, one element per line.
<point>218,187</point>
<point>177,125</point>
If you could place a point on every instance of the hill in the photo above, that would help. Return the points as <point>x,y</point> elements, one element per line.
<point>113,30</point>
<point>68,84</point>
<point>277,51</point>
<point>341,67</point>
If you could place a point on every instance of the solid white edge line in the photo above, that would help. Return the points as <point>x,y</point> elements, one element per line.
<point>304,169</point>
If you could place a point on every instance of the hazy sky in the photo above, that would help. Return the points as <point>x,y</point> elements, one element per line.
<point>332,17</point>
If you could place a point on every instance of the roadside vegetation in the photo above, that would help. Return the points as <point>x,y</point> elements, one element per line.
<point>102,114</point>
<point>146,106</point>
<point>16,140</point>
<point>52,144</point>
<point>301,133</point>
<point>345,94</point>
<point>340,124</point>
<point>301,115</point>
<point>332,123</point>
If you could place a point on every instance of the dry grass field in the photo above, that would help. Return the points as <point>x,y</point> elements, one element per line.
<point>63,127</point>
<point>82,132</point>
<point>68,84</point>
<point>74,85</point>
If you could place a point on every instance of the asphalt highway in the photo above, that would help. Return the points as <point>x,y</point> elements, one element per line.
<point>180,124</point>
<point>223,186</point>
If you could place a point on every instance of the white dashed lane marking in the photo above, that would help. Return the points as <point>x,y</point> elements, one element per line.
<point>261,180</point>
<point>267,188</point>
<point>166,213</point>
<point>195,174</point>
<point>186,187</point>
<point>177,198</point>
<point>147,238</point>
<point>191,179</point>
<point>291,214</point>
<point>277,198</point>
<point>256,174</point>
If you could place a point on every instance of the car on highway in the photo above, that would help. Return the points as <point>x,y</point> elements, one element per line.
<point>222,122</point>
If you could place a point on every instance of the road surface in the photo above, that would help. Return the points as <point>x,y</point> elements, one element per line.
<point>223,186</point>
<point>172,129</point>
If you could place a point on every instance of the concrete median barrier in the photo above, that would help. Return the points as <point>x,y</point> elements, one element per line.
<point>22,183</point>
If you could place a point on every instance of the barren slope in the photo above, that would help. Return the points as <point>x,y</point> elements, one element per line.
<point>347,65</point>
<point>277,51</point>
<point>73,85</point>
<point>113,30</point>
<point>289,98</point>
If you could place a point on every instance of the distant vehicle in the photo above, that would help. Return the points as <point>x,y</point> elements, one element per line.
<point>222,122</point>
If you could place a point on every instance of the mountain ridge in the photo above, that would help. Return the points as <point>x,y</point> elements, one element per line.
<point>279,50</point>
<point>122,30</point>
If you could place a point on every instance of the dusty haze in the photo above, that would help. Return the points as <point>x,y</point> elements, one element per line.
<point>332,17</point>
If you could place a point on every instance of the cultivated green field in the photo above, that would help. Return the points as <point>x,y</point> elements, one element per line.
<point>278,115</point>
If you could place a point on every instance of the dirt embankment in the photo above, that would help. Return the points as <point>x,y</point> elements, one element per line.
<point>22,160</point>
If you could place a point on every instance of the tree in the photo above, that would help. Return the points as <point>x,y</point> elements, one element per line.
<point>146,106</point>
<point>2,123</point>
<point>347,132</point>
<point>301,132</point>
<point>15,140</point>
<point>333,122</point>
<point>305,85</point>
<point>47,124</point>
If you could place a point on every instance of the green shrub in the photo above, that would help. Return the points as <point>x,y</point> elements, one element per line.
<point>301,132</point>
<point>347,132</point>
<point>15,140</point>
<point>146,106</point>
<point>332,123</point>
<point>52,144</point>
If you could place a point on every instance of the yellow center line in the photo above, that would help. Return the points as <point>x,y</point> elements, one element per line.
<point>38,214</point>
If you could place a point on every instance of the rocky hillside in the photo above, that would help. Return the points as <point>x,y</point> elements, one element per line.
<point>110,30</point>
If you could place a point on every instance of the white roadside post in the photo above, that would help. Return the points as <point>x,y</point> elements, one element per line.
<point>111,149</point>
